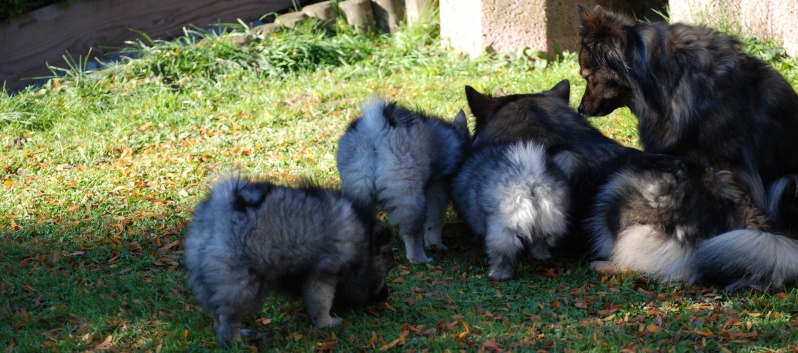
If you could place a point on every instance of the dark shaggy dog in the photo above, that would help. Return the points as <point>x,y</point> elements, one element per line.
<point>251,237</point>
<point>696,94</point>
<point>661,215</point>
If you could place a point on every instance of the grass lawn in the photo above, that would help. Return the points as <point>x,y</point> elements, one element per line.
<point>100,173</point>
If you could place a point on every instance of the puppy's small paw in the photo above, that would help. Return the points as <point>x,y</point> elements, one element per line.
<point>419,259</point>
<point>328,322</point>
<point>605,267</point>
<point>501,273</point>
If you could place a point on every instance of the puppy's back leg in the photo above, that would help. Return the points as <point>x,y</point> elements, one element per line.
<point>503,248</point>
<point>437,202</point>
<point>317,297</point>
<point>406,206</point>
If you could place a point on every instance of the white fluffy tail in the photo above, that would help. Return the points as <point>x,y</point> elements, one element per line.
<point>533,201</point>
<point>748,258</point>
<point>645,249</point>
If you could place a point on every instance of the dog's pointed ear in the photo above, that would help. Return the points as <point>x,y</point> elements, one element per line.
<point>460,122</point>
<point>481,105</point>
<point>599,26</point>
<point>562,90</point>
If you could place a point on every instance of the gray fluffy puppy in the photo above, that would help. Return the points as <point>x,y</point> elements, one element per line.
<point>251,237</point>
<point>403,161</point>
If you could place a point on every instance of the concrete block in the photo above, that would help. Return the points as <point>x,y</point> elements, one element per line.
<point>472,26</point>
<point>359,14</point>
<point>291,19</point>
<point>388,14</point>
<point>764,19</point>
<point>323,11</point>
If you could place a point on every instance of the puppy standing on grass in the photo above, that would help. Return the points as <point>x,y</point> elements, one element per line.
<point>250,237</point>
<point>403,161</point>
<point>515,197</point>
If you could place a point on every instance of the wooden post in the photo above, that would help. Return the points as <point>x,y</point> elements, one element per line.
<point>388,14</point>
<point>359,14</point>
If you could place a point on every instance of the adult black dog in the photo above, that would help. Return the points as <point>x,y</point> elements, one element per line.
<point>697,95</point>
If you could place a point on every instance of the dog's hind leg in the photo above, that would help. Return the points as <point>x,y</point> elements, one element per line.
<point>437,201</point>
<point>414,245</point>
<point>503,248</point>
<point>406,206</point>
<point>317,297</point>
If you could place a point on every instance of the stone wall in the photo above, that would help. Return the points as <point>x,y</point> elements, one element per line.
<point>473,26</point>
<point>759,18</point>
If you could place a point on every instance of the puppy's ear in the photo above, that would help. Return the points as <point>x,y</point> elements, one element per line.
<point>561,90</point>
<point>482,105</point>
<point>460,122</point>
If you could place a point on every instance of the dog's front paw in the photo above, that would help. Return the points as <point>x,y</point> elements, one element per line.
<point>501,272</point>
<point>605,267</point>
<point>329,321</point>
<point>422,259</point>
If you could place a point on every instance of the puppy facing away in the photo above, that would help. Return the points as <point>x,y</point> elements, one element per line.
<point>402,162</point>
<point>248,238</point>
<point>515,198</point>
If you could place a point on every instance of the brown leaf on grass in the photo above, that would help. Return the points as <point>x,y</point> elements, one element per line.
<point>325,346</point>
<point>21,323</point>
<point>704,333</point>
<point>386,306</point>
<point>14,226</point>
<point>169,246</point>
<point>490,345</point>
<point>104,345</point>
<point>399,341</point>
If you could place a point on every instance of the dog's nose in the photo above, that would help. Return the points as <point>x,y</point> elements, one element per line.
<point>581,108</point>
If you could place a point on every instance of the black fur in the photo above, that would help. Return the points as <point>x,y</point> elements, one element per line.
<point>665,216</point>
<point>696,94</point>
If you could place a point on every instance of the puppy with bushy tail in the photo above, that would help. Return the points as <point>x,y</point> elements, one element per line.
<point>402,161</point>
<point>516,199</point>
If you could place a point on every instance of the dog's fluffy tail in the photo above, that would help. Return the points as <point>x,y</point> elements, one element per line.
<point>747,258</point>
<point>647,249</point>
<point>373,115</point>
<point>532,201</point>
